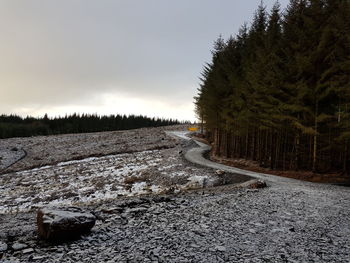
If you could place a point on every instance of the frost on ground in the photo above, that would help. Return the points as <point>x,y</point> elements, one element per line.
<point>281,223</point>
<point>9,155</point>
<point>285,222</point>
<point>48,150</point>
<point>96,179</point>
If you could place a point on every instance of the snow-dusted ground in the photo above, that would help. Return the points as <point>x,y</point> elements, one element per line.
<point>48,150</point>
<point>9,155</point>
<point>96,179</point>
<point>285,222</point>
<point>281,223</point>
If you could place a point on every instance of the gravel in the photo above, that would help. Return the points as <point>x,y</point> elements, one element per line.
<point>281,223</point>
<point>288,221</point>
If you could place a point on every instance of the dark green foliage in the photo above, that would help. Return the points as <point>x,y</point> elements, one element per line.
<point>279,92</point>
<point>15,126</point>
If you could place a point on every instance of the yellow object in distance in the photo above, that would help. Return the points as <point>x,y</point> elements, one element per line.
<point>193,129</point>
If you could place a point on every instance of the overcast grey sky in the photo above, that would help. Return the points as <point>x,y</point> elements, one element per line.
<point>110,56</point>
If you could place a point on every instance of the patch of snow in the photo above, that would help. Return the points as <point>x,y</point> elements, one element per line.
<point>180,134</point>
<point>196,182</point>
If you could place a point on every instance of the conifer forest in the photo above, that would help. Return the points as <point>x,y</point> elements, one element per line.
<point>16,126</point>
<point>278,92</point>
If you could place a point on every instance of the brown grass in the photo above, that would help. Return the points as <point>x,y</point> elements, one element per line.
<point>334,178</point>
<point>143,177</point>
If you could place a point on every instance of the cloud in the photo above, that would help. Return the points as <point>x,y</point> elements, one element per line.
<point>110,103</point>
<point>67,54</point>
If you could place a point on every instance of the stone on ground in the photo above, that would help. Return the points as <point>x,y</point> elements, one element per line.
<point>3,246</point>
<point>256,184</point>
<point>219,172</point>
<point>18,246</point>
<point>57,224</point>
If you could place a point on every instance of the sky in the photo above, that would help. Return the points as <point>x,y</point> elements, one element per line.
<point>111,56</point>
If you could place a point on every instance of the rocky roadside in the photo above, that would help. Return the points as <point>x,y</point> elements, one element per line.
<point>280,223</point>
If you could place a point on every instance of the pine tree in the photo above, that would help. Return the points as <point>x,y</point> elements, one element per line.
<point>278,92</point>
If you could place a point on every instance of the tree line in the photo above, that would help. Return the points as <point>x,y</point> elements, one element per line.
<point>279,91</point>
<point>16,126</point>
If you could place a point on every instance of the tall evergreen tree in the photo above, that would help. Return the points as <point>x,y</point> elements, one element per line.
<point>279,91</point>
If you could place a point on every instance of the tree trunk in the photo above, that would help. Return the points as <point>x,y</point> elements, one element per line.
<point>277,150</point>
<point>314,155</point>
<point>258,146</point>
<point>297,151</point>
<point>254,145</point>
<point>246,145</point>
<point>202,121</point>
<point>346,161</point>
<point>285,142</point>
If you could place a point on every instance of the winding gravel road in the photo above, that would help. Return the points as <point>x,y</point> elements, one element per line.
<point>320,214</point>
<point>196,156</point>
